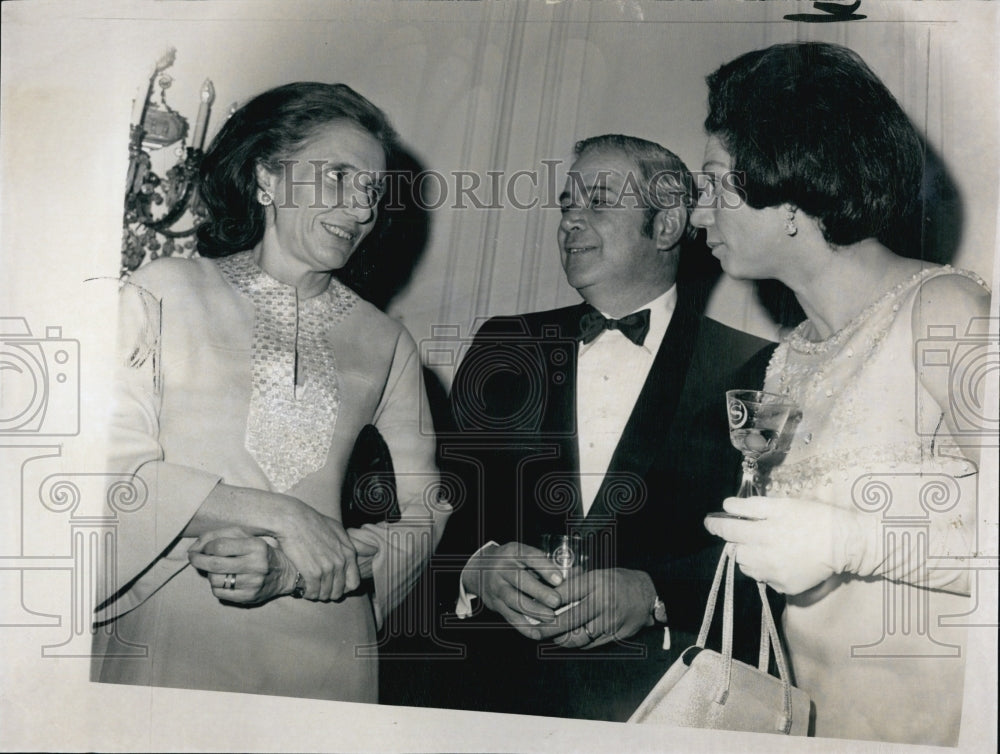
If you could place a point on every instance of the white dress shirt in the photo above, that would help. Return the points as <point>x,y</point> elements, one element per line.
<point>611,371</point>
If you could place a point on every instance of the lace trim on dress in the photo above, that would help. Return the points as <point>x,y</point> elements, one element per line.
<point>824,379</point>
<point>798,341</point>
<point>805,377</point>
<point>289,428</point>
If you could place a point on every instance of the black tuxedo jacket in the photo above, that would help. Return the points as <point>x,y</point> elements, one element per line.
<point>512,454</point>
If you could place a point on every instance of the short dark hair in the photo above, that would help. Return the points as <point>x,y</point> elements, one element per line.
<point>269,128</point>
<point>666,181</point>
<point>809,123</point>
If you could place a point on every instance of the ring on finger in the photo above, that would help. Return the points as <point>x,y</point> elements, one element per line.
<point>300,586</point>
<point>230,581</point>
<point>590,635</point>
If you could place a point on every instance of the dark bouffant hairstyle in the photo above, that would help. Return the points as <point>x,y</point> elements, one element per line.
<point>665,179</point>
<point>270,127</point>
<point>810,123</point>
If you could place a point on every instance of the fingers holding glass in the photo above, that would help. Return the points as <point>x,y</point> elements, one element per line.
<point>511,583</point>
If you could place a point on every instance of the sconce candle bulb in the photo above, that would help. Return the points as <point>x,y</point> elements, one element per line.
<point>207,98</point>
<point>139,108</point>
<point>139,105</point>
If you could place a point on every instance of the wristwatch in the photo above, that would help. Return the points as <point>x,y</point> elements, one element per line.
<point>659,611</point>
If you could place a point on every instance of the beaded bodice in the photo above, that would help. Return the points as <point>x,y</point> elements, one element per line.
<point>863,408</point>
<point>289,426</point>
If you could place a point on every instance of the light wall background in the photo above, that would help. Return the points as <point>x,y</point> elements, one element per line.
<point>472,86</point>
<point>497,86</point>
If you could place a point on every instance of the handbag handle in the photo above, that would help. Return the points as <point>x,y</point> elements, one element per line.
<point>768,634</point>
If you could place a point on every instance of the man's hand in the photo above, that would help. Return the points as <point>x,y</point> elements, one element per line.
<point>321,550</point>
<point>612,603</point>
<point>516,581</point>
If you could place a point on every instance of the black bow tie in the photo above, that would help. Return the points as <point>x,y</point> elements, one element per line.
<point>634,326</point>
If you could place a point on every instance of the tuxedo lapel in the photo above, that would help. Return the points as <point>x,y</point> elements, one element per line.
<point>648,426</point>
<point>559,417</point>
<point>559,422</point>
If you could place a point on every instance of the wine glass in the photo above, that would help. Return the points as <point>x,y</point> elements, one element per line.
<point>756,421</point>
<point>566,551</point>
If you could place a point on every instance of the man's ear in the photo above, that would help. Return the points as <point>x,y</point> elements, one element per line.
<point>668,227</point>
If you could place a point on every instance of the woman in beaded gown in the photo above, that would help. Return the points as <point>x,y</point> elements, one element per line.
<point>871,512</point>
<point>248,374</point>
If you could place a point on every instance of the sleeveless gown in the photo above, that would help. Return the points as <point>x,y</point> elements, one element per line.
<point>880,650</point>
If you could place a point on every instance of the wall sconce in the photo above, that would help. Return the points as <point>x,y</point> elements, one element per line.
<point>155,204</point>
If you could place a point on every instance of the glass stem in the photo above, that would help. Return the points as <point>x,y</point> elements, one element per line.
<point>748,487</point>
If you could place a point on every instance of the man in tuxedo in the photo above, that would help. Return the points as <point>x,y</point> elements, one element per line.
<point>604,420</point>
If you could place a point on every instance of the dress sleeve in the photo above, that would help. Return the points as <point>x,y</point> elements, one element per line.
<point>147,551</point>
<point>404,548</point>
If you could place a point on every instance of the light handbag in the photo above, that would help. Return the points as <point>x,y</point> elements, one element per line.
<point>705,689</point>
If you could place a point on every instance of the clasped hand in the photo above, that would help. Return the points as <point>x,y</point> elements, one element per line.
<point>587,608</point>
<point>322,551</point>
<point>789,543</point>
<point>307,544</point>
<point>242,568</point>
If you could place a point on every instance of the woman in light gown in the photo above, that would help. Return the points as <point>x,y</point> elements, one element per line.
<point>248,375</point>
<point>871,513</point>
